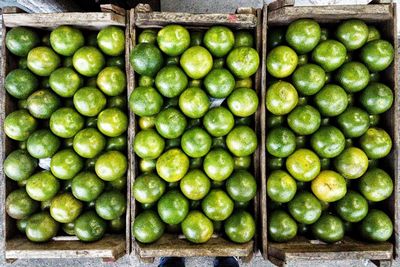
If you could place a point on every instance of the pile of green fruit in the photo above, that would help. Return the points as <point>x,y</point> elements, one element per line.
<point>195,140</point>
<point>325,142</point>
<point>70,127</point>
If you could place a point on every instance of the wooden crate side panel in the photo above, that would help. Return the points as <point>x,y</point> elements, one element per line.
<point>170,245</point>
<point>111,247</point>
<point>385,16</point>
<point>89,20</point>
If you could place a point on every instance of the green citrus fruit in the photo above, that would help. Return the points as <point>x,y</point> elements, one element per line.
<point>19,205</point>
<point>218,164</point>
<point>65,40</point>
<point>281,142</point>
<point>111,40</point>
<point>194,102</point>
<point>42,186</point>
<point>352,33</point>
<point>281,227</point>
<point>331,100</point>
<point>243,62</point>
<point>218,121</point>
<point>87,186</point>
<point>42,144</point>
<point>376,98</point>
<point>112,81</point>
<point>329,54</point>
<point>217,205</point>
<point>329,186</point>
<point>173,40</point>
<point>21,40</point>
<point>89,101</point>
<point>65,82</point>
<point>173,207</point>
<point>111,165</point>
<point>281,98</point>
<point>197,228</point>
<point>303,35</point>
<point>305,208</point>
<point>353,122</point>
<point>41,227</point>
<point>196,62</point>
<point>148,144</point>
<point>281,187</point>
<point>88,61</point>
<point>352,163</point>
<point>111,205</point>
<point>242,141</point>
<point>171,81</point>
<point>281,61</point>
<point>353,76</point>
<point>42,103</point>
<point>20,83</point>
<point>328,228</point>
<point>195,185</point>
<point>376,143</point>
<point>145,101</point>
<point>89,227</point>
<point>377,55</point>
<point>308,79</point>
<point>376,185</point>
<point>196,142</point>
<point>219,40</point>
<point>303,165</point>
<point>65,208</point>
<point>241,186</point>
<point>304,120</point>
<point>353,207</point>
<point>172,165</point>
<point>65,164</point>
<point>170,123</point>
<point>19,165</point>
<point>376,226</point>
<point>146,59</point>
<point>219,83</point>
<point>328,142</point>
<point>240,227</point>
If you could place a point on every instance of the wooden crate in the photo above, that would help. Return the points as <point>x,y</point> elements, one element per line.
<point>169,244</point>
<point>281,13</point>
<point>16,246</point>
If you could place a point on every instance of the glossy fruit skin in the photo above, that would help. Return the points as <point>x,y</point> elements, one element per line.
<point>111,40</point>
<point>196,62</point>
<point>194,102</point>
<point>89,227</point>
<point>87,186</point>
<point>19,165</point>
<point>352,33</point>
<point>281,187</point>
<point>241,186</point>
<point>281,98</point>
<point>376,226</point>
<point>196,142</point>
<point>376,98</point>
<point>303,165</point>
<point>170,123</point>
<point>173,40</point>
<point>217,205</point>
<point>281,227</point>
<point>329,54</point>
<point>281,61</point>
<point>195,185</point>
<point>66,122</point>
<point>281,142</point>
<point>88,61</point>
<point>218,164</point>
<point>304,120</point>
<point>305,208</point>
<point>376,185</point>
<point>246,83</point>
<point>303,35</point>
<point>148,144</point>
<point>145,101</point>
<point>329,186</point>
<point>243,62</point>
<point>20,83</point>
<point>352,163</point>
<point>328,142</point>
<point>308,79</point>
<point>89,101</point>
<point>242,141</point>
<point>353,207</point>
<point>88,143</point>
<point>148,36</point>
<point>42,144</point>
<point>243,102</point>
<point>353,76</point>
<point>243,38</point>
<point>218,121</point>
<point>197,228</point>
<point>172,165</point>
<point>111,81</point>
<point>64,81</point>
<point>21,225</point>
<point>171,81</point>
<point>42,186</point>
<point>20,40</point>
<point>242,163</point>
<point>110,205</point>
<point>219,83</point>
<point>240,227</point>
<point>148,188</point>
<point>377,55</point>
<point>65,164</point>
<point>42,61</point>
<point>328,228</point>
<point>111,165</point>
<point>41,227</point>
<point>19,205</point>
<point>65,40</point>
<point>112,122</point>
<point>65,208</point>
<point>376,143</point>
<point>173,207</point>
<point>219,40</point>
<point>331,100</point>
<point>42,103</point>
<point>353,122</point>
<point>147,227</point>
<point>146,59</point>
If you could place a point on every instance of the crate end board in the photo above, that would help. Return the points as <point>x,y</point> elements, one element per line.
<point>111,247</point>
<point>384,15</point>
<point>90,20</point>
<point>182,248</point>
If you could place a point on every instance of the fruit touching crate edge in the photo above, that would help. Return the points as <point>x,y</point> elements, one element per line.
<point>111,247</point>
<point>281,13</point>
<point>171,245</point>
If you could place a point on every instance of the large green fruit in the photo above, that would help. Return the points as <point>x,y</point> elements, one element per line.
<point>376,143</point>
<point>173,40</point>
<point>20,83</point>
<point>352,163</point>
<point>242,141</point>
<point>112,81</point>
<point>19,165</point>
<point>65,164</point>
<point>281,98</point>
<point>173,207</point>
<point>376,185</point>
<point>196,62</point>
<point>42,103</point>
<point>89,142</point>
<point>65,40</point>
<point>111,165</point>
<point>281,142</point>
<point>89,101</point>
<point>42,144</point>
<point>304,120</point>
<point>171,81</point>
<point>376,226</point>
<point>197,228</point>
<point>281,187</point>
<point>148,227</point>
<point>145,101</point>
<point>353,76</point>
<point>331,100</point>
<point>88,61</point>
<point>41,227</point>
<point>281,227</point>
<point>194,102</point>
<point>87,186</point>
<point>352,33</point>
<point>329,54</point>
<point>89,227</point>
<point>112,122</point>
<point>148,144</point>
<point>240,227</point>
<point>377,55</point>
<point>170,123</point>
<point>19,205</point>
<point>308,79</point>
<point>42,61</point>
<point>281,61</point>
<point>65,208</point>
<point>218,164</point>
<point>196,142</point>
<point>241,186</point>
<point>218,121</point>
<point>303,35</point>
<point>21,40</point>
<point>328,142</point>
<point>65,82</point>
<point>305,208</point>
<point>111,205</point>
<point>66,122</point>
<point>111,40</point>
<point>353,207</point>
<point>195,185</point>
<point>243,62</point>
<point>42,186</point>
<point>219,83</point>
<point>376,98</point>
<point>219,40</point>
<point>146,59</point>
<point>172,165</point>
<point>328,228</point>
<point>148,188</point>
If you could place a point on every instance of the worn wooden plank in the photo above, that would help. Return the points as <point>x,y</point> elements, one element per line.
<point>89,20</point>
<point>110,246</point>
<point>113,8</point>
<point>326,14</point>
<point>157,19</point>
<point>170,245</point>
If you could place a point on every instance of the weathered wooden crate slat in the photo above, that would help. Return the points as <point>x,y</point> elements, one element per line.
<point>111,247</point>
<point>169,244</point>
<point>384,16</point>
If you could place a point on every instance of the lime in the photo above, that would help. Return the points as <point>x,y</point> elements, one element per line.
<point>194,102</point>
<point>243,38</point>
<point>112,122</point>
<point>111,40</point>
<point>328,142</point>
<point>352,163</point>
<point>305,208</point>
<point>331,100</point>
<point>376,98</point>
<point>303,165</point>
<point>329,186</point>
<point>112,81</point>
<point>65,164</point>
<point>20,83</point>
<point>217,205</point>
<point>89,142</point>
<point>148,144</point>
<point>171,81</point>
<point>242,141</point>
<point>376,143</point>
<point>146,59</point>
<point>66,122</point>
<point>373,33</point>
<point>65,208</point>
<point>308,79</point>
<point>376,185</point>
<point>353,207</point>
<point>148,36</point>
<point>89,227</point>
<point>281,61</point>
<point>352,33</point>
<point>195,185</point>
<point>19,165</point>
<point>111,165</point>
<point>65,82</point>
<point>243,62</point>
<point>218,164</point>
<point>86,186</point>
<point>196,62</point>
<point>41,227</point>
<point>303,35</point>
<point>89,101</point>
<point>329,54</point>
<point>281,227</point>
<point>195,142</point>
<point>377,55</point>
<point>240,227</point>
<point>173,207</point>
<point>19,205</point>
<point>328,228</point>
<point>172,165</point>
<point>281,142</point>
<point>65,40</point>
<point>197,228</point>
<point>353,122</point>
<point>20,40</point>
<point>241,186</point>
<point>170,123</point>
<point>281,187</point>
<point>281,98</point>
<point>88,61</point>
<point>304,120</point>
<point>19,124</point>
<point>145,101</point>
<point>376,226</point>
<point>219,40</point>
<point>218,121</point>
<point>42,144</point>
<point>243,102</point>
<point>219,83</point>
<point>42,186</point>
<point>353,76</point>
<point>42,103</point>
<point>117,143</point>
<point>173,40</point>
<point>110,205</point>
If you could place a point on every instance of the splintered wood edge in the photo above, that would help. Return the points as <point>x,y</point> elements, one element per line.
<point>287,14</point>
<point>90,20</point>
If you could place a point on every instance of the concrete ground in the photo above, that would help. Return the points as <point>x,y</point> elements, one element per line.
<point>184,6</point>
